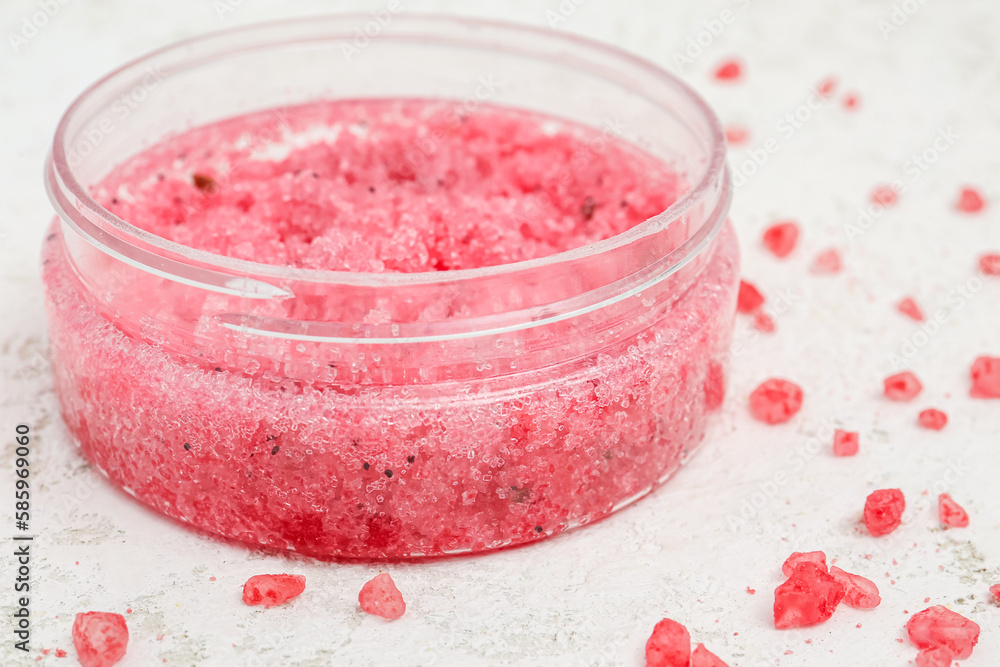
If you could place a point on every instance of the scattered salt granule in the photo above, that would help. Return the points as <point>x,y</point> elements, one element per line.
<point>951,513</point>
<point>809,596</point>
<point>884,195</point>
<point>272,589</point>
<point>985,374</point>
<point>827,86</point>
<point>736,135</point>
<point>902,386</point>
<point>669,645</point>
<point>380,597</point>
<point>989,263</point>
<point>817,558</point>
<point>995,590</point>
<point>845,443</point>
<point>970,201</point>
<point>702,657</point>
<point>933,419</point>
<point>775,401</point>
<point>859,592</point>
<point>884,511</point>
<point>934,657</point>
<point>729,70</point>
<point>938,626</point>
<point>749,298</point>
<point>763,322</point>
<point>100,638</point>
<point>910,308</point>
<point>827,261</point>
<point>780,238</point>
<point>851,101</point>
<point>60,653</point>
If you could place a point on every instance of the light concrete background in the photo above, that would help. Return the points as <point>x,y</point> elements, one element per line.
<point>753,494</point>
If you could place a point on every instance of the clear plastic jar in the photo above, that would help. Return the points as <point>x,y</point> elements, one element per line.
<point>554,391</point>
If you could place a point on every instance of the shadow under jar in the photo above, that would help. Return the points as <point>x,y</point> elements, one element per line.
<point>265,403</point>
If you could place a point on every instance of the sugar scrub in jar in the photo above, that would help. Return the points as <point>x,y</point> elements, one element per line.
<point>465,288</point>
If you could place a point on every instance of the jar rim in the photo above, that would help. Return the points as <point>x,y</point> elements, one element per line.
<point>74,203</point>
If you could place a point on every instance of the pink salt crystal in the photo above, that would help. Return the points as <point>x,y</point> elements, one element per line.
<point>902,386</point>
<point>380,597</point>
<point>827,86</point>
<point>884,195</point>
<point>272,589</point>
<point>60,653</point>
<point>702,657</point>
<point>809,596</point>
<point>749,298</point>
<point>935,657</point>
<point>763,322</point>
<point>827,261</point>
<point>970,201</point>
<point>990,263</point>
<point>730,70</point>
<point>669,645</point>
<point>781,238</point>
<point>817,558</point>
<point>933,419</point>
<point>736,135</point>
<point>859,592</point>
<point>937,626</point>
<point>995,589</point>
<point>775,401</point>
<point>985,374</point>
<point>910,308</point>
<point>884,511</point>
<point>100,638</point>
<point>851,101</point>
<point>951,513</point>
<point>715,385</point>
<point>845,443</point>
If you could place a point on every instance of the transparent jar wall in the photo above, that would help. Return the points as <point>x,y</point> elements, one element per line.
<point>248,410</point>
<point>229,300</point>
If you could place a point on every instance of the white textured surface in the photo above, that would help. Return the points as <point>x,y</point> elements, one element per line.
<point>592,596</point>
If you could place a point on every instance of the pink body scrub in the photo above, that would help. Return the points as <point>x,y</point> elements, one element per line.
<point>388,328</point>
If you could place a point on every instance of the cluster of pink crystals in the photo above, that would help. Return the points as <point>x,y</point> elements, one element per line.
<point>812,591</point>
<point>670,646</point>
<point>942,636</point>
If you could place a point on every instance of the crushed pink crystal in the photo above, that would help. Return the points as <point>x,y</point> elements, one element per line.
<point>380,597</point>
<point>884,511</point>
